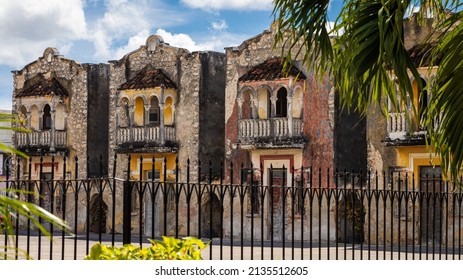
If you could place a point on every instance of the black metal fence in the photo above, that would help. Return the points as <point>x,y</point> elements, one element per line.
<point>350,216</point>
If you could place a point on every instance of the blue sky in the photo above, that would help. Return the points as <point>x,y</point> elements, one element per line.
<point>95,31</point>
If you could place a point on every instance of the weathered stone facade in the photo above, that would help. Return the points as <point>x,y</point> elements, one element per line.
<point>276,122</point>
<point>188,93</point>
<point>158,108</point>
<point>53,95</point>
<point>397,148</point>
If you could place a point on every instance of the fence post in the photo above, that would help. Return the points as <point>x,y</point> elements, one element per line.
<point>127,201</point>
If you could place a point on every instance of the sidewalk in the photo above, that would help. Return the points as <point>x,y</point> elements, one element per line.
<point>71,248</point>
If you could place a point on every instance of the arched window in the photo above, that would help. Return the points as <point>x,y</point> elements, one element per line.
<point>46,118</point>
<point>282,104</point>
<point>154,118</point>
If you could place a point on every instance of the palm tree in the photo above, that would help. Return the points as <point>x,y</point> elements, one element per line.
<point>366,56</point>
<point>11,207</point>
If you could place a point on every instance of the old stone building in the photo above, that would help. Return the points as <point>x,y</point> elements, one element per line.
<point>57,99</point>
<point>283,127</point>
<point>397,148</point>
<point>166,107</point>
<point>162,114</point>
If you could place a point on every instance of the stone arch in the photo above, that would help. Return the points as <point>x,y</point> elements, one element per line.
<point>210,225</point>
<point>50,53</point>
<point>98,213</point>
<point>153,41</point>
<point>351,218</point>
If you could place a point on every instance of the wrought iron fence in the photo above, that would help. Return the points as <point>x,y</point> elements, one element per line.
<point>352,216</point>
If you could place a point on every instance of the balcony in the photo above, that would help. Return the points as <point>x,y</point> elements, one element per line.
<point>397,126</point>
<point>41,141</point>
<point>146,139</point>
<point>399,133</point>
<point>270,133</point>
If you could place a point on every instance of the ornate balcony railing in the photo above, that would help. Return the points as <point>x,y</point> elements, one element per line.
<point>397,126</point>
<point>277,127</point>
<point>144,134</point>
<point>41,138</point>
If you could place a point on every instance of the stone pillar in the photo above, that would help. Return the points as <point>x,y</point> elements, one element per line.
<point>273,100</point>
<point>161,116</point>
<point>52,131</point>
<point>40,138</point>
<point>131,120</point>
<point>290,114</point>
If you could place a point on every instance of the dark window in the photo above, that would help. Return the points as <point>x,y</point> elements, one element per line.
<point>282,104</point>
<point>46,121</point>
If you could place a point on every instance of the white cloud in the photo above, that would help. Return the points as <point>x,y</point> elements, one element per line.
<point>213,5</point>
<point>219,25</point>
<point>180,40</point>
<point>209,43</point>
<point>133,43</point>
<point>122,19</point>
<point>30,26</point>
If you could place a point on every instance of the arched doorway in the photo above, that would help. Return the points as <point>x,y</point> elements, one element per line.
<point>210,224</point>
<point>98,214</point>
<point>351,219</point>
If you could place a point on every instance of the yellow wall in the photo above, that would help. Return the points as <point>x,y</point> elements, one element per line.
<point>419,155</point>
<point>147,165</point>
<point>168,112</point>
<point>170,96</point>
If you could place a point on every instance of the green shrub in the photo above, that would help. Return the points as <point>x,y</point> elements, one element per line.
<point>170,248</point>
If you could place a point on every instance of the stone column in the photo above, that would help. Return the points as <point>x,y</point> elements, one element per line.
<point>273,100</point>
<point>161,116</point>
<point>52,131</point>
<point>146,121</point>
<point>40,138</point>
<point>290,114</point>
<point>131,120</point>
